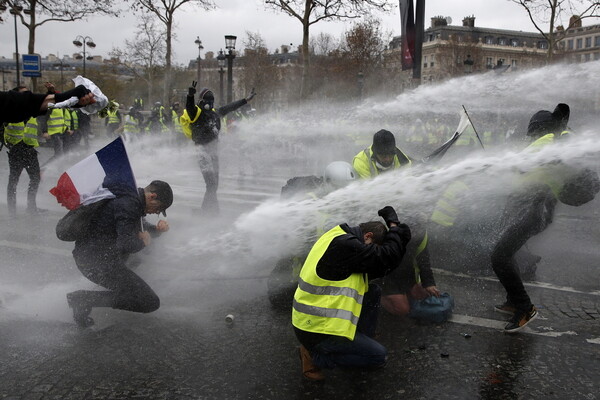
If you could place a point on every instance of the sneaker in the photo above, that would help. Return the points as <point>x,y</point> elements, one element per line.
<point>505,308</point>
<point>81,311</point>
<point>309,370</point>
<point>520,320</point>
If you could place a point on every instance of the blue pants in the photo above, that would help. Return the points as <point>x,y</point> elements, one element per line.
<point>363,351</point>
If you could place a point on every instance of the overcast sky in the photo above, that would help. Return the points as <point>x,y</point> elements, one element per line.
<point>235,17</point>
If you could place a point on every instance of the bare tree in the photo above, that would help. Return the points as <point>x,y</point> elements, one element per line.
<point>165,11</point>
<point>309,12</point>
<point>143,56</point>
<point>258,72</point>
<point>323,44</point>
<point>39,12</point>
<point>551,13</point>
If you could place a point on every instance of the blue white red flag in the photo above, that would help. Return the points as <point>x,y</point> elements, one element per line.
<point>82,183</point>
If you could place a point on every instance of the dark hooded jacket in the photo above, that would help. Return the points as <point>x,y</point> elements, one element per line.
<point>208,125</point>
<point>113,234</point>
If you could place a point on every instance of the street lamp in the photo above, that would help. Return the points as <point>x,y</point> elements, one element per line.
<point>83,41</point>
<point>221,61</point>
<point>16,10</point>
<point>230,47</point>
<point>200,47</point>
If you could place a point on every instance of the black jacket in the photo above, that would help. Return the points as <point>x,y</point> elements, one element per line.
<point>114,230</point>
<point>20,106</point>
<point>348,254</point>
<point>208,125</point>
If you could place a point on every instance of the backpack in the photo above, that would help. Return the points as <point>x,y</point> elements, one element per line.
<point>432,309</point>
<point>300,185</point>
<point>75,225</point>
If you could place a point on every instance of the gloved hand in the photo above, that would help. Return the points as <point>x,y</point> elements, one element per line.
<point>192,89</point>
<point>389,215</point>
<point>251,95</point>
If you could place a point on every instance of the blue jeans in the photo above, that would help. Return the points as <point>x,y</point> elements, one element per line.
<point>363,351</point>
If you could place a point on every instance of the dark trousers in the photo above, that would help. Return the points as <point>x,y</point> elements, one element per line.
<point>363,351</point>
<point>208,160</point>
<point>22,156</point>
<point>525,215</point>
<point>127,291</point>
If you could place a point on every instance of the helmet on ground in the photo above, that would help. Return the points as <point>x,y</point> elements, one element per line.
<point>384,143</point>
<point>339,174</point>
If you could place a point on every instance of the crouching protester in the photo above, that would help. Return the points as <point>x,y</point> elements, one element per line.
<point>335,309</point>
<point>115,231</point>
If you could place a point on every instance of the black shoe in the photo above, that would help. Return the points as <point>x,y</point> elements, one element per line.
<point>505,308</point>
<point>520,320</point>
<point>81,310</point>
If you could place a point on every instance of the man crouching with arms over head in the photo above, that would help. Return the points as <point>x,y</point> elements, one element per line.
<point>115,233</point>
<point>335,308</point>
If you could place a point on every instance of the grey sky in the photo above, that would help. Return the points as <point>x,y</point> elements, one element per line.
<point>238,16</point>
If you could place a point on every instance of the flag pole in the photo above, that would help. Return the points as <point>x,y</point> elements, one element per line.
<point>474,130</point>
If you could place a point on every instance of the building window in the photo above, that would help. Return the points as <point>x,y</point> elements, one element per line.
<point>597,41</point>
<point>542,44</point>
<point>579,43</point>
<point>432,60</point>
<point>588,42</point>
<point>570,44</point>
<point>489,40</point>
<point>514,42</point>
<point>513,63</point>
<point>587,57</point>
<point>502,41</point>
<point>596,56</point>
<point>489,62</point>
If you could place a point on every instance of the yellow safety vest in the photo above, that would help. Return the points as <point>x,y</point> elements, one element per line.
<point>186,122</point>
<point>176,122</point>
<point>324,306</point>
<point>551,175</point>
<point>113,117</point>
<point>446,209</point>
<point>132,125</point>
<point>21,131</point>
<point>75,120</point>
<point>56,121</point>
<point>365,167</point>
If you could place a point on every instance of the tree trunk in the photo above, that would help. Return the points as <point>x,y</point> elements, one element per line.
<point>167,91</point>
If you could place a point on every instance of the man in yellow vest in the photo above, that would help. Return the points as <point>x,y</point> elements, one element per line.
<point>529,210</point>
<point>113,121</point>
<point>335,308</point>
<point>382,155</point>
<point>21,140</point>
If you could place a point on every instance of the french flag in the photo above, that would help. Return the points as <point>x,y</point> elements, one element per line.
<point>82,183</point>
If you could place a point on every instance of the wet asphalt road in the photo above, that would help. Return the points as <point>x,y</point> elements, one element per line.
<point>186,350</point>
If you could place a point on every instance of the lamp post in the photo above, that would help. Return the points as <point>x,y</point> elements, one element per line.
<point>16,10</point>
<point>83,41</point>
<point>200,47</point>
<point>230,47</point>
<point>221,60</point>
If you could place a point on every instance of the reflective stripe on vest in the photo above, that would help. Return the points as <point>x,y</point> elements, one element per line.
<point>447,208</point>
<point>324,306</point>
<point>56,122</point>
<point>131,124</point>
